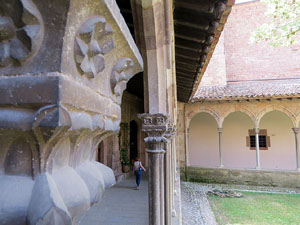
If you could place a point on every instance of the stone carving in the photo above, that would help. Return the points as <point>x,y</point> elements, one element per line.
<point>20,31</point>
<point>93,40</point>
<point>171,130</point>
<point>121,73</point>
<point>155,126</point>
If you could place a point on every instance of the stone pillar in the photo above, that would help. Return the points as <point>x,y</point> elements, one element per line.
<point>169,172</point>
<point>256,130</point>
<point>220,148</point>
<point>63,68</point>
<point>296,132</point>
<point>155,126</point>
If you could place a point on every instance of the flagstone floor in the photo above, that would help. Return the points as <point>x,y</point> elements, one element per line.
<point>121,205</point>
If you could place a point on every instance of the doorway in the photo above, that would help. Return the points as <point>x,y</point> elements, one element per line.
<point>133,140</point>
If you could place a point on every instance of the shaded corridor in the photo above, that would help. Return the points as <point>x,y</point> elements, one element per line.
<point>121,204</point>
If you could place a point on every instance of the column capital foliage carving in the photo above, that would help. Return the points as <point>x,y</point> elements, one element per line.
<point>296,130</point>
<point>171,130</point>
<point>155,126</point>
<point>256,130</point>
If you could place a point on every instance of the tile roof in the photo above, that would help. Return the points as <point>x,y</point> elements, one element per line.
<point>249,89</point>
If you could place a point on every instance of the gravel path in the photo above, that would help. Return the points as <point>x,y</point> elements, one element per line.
<point>195,206</point>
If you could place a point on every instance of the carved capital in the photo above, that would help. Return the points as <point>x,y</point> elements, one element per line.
<point>220,130</point>
<point>155,126</point>
<point>256,130</point>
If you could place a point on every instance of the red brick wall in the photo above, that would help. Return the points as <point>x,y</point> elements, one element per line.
<point>246,61</point>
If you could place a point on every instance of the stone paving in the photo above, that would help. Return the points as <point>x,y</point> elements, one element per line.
<point>121,204</point>
<point>195,206</point>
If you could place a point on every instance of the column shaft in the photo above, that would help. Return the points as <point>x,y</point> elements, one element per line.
<point>296,131</point>
<point>257,148</point>
<point>220,148</point>
<point>154,187</point>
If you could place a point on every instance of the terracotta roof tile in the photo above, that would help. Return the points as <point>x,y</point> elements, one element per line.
<point>249,89</point>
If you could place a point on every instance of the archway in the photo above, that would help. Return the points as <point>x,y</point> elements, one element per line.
<point>133,138</point>
<point>203,141</point>
<point>236,152</point>
<point>281,154</point>
<point>100,152</point>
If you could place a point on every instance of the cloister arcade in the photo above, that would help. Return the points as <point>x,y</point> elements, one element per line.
<point>219,135</point>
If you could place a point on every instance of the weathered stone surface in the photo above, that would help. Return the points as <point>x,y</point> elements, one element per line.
<point>50,208</point>
<point>15,193</point>
<point>108,175</point>
<point>57,103</point>
<point>20,31</point>
<point>73,190</point>
<point>94,180</point>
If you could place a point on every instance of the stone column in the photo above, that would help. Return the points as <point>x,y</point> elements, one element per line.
<point>169,187</point>
<point>220,148</point>
<point>296,132</point>
<point>256,130</point>
<point>155,126</point>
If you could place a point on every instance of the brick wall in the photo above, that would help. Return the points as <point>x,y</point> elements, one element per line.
<point>246,61</point>
<point>215,74</point>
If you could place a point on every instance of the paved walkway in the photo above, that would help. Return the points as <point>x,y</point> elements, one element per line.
<point>121,205</point>
<point>195,206</point>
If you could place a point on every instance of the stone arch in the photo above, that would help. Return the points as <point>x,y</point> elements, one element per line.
<point>245,111</point>
<point>18,159</point>
<point>297,121</point>
<point>268,109</point>
<point>212,112</point>
<point>202,141</point>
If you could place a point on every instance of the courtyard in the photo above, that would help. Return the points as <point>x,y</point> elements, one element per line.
<point>260,205</point>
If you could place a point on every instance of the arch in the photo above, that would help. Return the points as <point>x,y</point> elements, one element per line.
<point>212,112</point>
<point>18,160</point>
<point>235,130</point>
<point>202,141</point>
<point>242,110</point>
<point>281,154</point>
<point>268,109</point>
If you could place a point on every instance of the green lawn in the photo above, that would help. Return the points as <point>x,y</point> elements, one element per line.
<point>257,209</point>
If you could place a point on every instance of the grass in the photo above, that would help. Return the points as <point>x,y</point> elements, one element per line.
<point>257,209</point>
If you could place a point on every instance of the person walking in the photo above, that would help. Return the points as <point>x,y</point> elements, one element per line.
<point>138,168</point>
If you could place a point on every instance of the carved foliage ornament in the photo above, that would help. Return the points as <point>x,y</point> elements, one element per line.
<point>121,73</point>
<point>20,31</point>
<point>93,40</point>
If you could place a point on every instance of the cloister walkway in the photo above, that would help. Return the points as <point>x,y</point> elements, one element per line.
<point>121,205</point>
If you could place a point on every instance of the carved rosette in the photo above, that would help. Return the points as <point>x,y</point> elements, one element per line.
<point>121,73</point>
<point>20,31</point>
<point>155,126</point>
<point>93,40</point>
